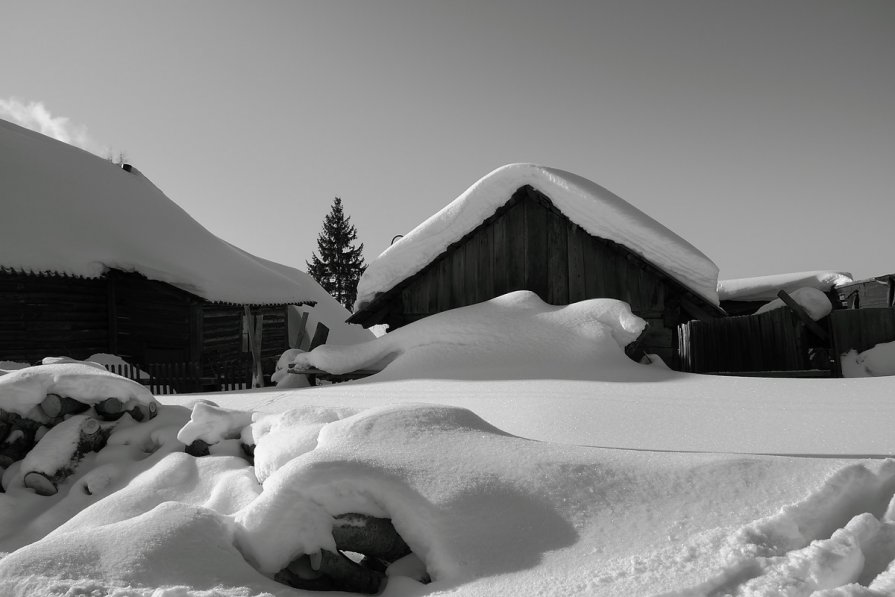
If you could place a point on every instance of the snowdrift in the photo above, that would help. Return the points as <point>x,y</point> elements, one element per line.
<point>490,498</point>
<point>504,338</point>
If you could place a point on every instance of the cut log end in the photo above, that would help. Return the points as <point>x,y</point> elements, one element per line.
<point>110,409</point>
<point>40,483</point>
<point>198,449</point>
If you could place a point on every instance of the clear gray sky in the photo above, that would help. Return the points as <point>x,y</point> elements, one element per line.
<point>762,131</point>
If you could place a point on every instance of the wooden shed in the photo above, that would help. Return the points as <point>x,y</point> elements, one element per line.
<point>529,244</point>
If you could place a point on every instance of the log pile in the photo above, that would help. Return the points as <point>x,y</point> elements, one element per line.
<point>20,434</point>
<point>375,542</point>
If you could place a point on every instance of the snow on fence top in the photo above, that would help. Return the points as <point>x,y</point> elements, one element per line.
<point>68,211</point>
<point>595,209</point>
<point>765,288</point>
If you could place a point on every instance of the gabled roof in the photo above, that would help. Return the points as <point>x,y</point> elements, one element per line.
<point>590,206</point>
<point>67,211</point>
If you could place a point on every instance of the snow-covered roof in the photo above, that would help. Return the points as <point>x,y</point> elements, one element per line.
<point>765,288</point>
<point>595,209</point>
<point>68,211</point>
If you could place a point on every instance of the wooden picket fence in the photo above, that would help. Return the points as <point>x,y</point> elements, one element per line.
<point>774,341</point>
<point>181,378</point>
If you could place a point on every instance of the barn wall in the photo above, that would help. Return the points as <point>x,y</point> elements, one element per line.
<point>51,316</point>
<point>152,320</point>
<point>531,246</point>
<point>222,334</point>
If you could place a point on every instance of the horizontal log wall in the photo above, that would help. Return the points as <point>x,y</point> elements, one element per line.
<point>529,245</point>
<point>51,315</point>
<point>152,320</point>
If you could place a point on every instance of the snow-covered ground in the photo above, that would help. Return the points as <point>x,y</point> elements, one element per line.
<point>564,474</point>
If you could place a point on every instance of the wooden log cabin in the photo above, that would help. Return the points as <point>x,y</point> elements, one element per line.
<point>529,243</point>
<point>94,258</point>
<point>143,321</point>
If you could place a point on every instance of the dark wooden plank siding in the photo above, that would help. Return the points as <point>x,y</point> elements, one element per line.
<point>557,260</point>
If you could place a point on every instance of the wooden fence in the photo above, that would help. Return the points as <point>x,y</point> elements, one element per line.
<point>860,329</point>
<point>774,341</point>
<point>181,378</point>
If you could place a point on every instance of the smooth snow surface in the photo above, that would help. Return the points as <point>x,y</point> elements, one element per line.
<point>765,288</point>
<point>589,205</point>
<point>68,211</point>
<point>496,485</point>
<point>815,303</point>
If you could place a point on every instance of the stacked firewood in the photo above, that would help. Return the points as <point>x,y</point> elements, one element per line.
<point>23,433</point>
<point>374,543</point>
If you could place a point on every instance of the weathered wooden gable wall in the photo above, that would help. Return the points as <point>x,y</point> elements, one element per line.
<point>51,315</point>
<point>529,245</point>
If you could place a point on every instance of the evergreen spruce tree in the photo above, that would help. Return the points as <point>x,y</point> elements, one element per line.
<point>340,264</point>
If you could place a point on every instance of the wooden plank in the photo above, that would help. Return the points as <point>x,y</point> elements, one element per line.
<point>500,249</point>
<point>471,260</point>
<point>321,333</point>
<point>536,268</point>
<point>577,288</point>
<point>557,260</point>
<point>484,263</point>
<point>802,314</point>
<point>458,277</point>
<point>444,284</point>
<point>516,240</point>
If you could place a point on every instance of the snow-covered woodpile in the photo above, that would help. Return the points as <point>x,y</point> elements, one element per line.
<point>52,415</point>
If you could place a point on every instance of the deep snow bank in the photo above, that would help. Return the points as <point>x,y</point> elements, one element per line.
<point>514,336</point>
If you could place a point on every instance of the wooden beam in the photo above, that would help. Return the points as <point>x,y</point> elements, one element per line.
<point>803,315</point>
<point>320,336</point>
<point>695,310</point>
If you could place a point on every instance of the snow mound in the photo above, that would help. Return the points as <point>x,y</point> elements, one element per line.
<point>23,389</point>
<point>484,512</point>
<point>765,288</point>
<point>815,303</point>
<point>105,217</point>
<point>873,362</point>
<point>589,205</point>
<point>516,335</point>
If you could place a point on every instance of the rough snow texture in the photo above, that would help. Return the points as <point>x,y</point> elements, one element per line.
<point>486,510</point>
<point>873,362</point>
<point>765,288</point>
<point>589,205</point>
<point>814,301</point>
<point>68,211</point>
<point>22,390</point>
<point>505,336</point>
<point>281,376</point>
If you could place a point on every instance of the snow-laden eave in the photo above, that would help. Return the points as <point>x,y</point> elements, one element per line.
<point>70,212</point>
<point>370,314</point>
<point>108,271</point>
